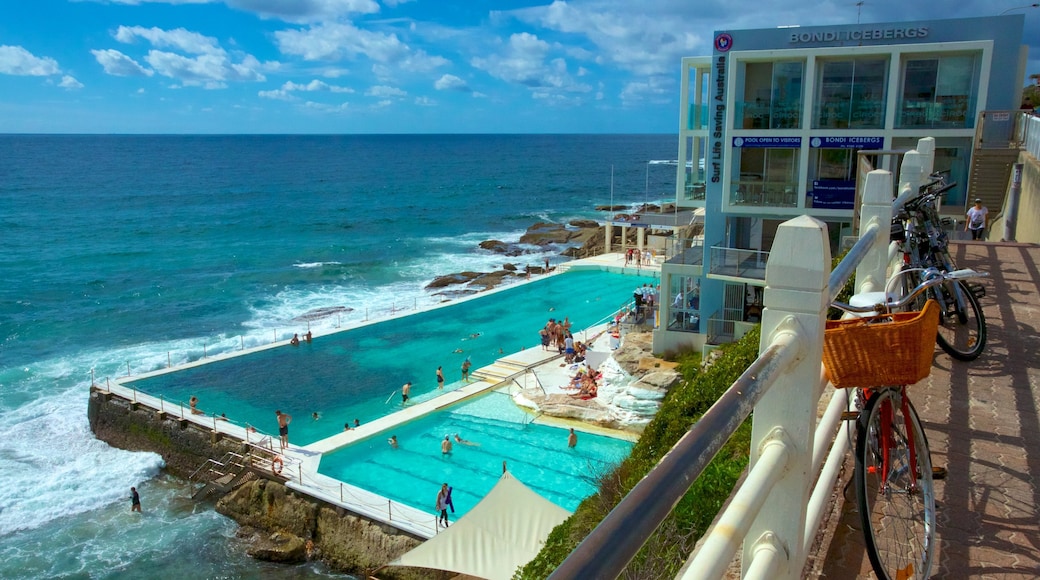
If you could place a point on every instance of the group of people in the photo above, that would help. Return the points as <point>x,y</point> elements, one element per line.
<point>295,340</point>
<point>585,383</point>
<point>572,350</point>
<point>645,296</point>
<point>633,255</point>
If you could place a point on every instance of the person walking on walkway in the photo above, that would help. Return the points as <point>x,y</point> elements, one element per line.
<point>978,220</point>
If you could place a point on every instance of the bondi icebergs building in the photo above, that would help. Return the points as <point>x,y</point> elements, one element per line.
<point>780,122</point>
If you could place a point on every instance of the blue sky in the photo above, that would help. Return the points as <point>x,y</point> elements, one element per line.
<point>383,66</point>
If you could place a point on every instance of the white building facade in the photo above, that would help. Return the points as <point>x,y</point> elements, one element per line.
<point>776,122</point>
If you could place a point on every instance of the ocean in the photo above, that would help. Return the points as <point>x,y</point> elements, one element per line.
<point>137,251</point>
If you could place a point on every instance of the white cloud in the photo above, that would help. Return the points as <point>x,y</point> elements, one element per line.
<point>524,62</point>
<point>340,40</point>
<point>425,102</point>
<point>120,65</point>
<point>653,89</point>
<point>326,108</point>
<point>179,39</point>
<point>209,65</point>
<point>287,10</point>
<point>385,91</point>
<point>208,70</point>
<point>70,83</point>
<point>451,83</point>
<point>15,60</point>
<point>645,40</point>
<point>285,92</point>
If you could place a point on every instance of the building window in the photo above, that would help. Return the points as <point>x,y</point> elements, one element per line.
<point>851,94</point>
<point>685,296</point>
<point>693,177</point>
<point>939,92</point>
<point>772,96</point>
<point>765,176</point>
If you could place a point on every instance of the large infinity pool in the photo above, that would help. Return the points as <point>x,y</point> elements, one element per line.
<point>356,373</point>
<point>537,455</point>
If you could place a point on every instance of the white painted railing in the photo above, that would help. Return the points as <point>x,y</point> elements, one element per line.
<point>1031,135</point>
<point>795,457</point>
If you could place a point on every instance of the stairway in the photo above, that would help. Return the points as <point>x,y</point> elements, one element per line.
<point>220,476</point>
<point>501,370</point>
<point>990,171</point>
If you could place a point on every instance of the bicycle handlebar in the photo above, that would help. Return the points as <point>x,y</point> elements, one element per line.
<point>930,277</point>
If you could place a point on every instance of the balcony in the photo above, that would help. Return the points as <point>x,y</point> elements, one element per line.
<point>738,263</point>
<point>693,255</point>
<point>764,193</point>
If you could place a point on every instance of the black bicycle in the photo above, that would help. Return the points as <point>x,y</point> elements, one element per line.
<point>920,230</point>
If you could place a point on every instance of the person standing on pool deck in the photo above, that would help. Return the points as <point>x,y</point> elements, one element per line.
<point>405,390</point>
<point>572,439</point>
<point>283,427</point>
<point>465,369</point>
<point>442,505</point>
<point>440,378</point>
<point>135,500</point>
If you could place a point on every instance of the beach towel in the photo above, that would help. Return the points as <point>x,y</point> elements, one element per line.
<point>448,502</point>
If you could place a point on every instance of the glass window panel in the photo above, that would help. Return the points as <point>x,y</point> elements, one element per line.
<point>835,94</point>
<point>787,95</point>
<point>758,82</point>
<point>868,94</point>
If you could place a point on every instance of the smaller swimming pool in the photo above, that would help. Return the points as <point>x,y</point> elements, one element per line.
<point>537,455</point>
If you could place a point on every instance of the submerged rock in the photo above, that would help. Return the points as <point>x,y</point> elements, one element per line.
<point>279,547</point>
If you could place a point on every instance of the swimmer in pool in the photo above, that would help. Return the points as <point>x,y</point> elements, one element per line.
<point>462,441</point>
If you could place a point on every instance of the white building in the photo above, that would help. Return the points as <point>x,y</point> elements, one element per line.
<point>776,118</point>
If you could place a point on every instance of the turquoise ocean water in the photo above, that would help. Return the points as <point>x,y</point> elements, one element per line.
<point>141,250</point>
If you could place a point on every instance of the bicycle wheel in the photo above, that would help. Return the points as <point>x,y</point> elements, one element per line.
<point>894,490</point>
<point>962,326</point>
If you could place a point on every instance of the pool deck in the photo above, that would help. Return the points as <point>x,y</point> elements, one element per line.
<point>527,368</point>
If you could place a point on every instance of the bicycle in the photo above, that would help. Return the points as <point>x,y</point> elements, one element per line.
<point>879,355</point>
<point>920,229</point>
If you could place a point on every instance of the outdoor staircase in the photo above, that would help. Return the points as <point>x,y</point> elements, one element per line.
<point>990,172</point>
<point>220,475</point>
<point>500,371</point>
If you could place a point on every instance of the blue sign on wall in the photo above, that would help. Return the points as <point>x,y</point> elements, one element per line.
<point>847,142</point>
<point>833,194</point>
<point>767,141</point>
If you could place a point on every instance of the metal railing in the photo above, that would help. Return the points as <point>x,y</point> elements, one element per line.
<point>795,457</point>
<point>739,262</point>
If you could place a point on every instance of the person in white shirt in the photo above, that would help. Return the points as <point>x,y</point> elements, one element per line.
<point>978,220</point>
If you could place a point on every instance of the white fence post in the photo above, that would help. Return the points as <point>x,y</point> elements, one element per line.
<point>910,171</point>
<point>796,299</point>
<point>871,273</point>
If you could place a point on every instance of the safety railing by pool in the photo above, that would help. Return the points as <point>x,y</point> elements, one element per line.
<point>795,459</point>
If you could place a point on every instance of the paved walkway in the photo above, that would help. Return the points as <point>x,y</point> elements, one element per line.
<point>982,419</point>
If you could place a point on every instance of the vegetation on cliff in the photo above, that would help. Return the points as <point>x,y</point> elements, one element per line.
<point>667,549</point>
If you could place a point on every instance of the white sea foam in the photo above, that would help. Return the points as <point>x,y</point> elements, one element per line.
<point>51,465</point>
<point>315,264</point>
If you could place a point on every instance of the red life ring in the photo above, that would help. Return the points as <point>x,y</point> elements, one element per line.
<point>276,465</point>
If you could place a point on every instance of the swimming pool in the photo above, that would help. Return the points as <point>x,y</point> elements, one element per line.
<point>537,455</point>
<point>357,373</point>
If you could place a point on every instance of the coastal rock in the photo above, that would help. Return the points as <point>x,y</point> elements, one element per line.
<point>270,506</point>
<point>509,267</point>
<point>494,246</point>
<point>543,234</point>
<point>616,207</point>
<point>279,547</point>
<point>584,224</point>
<point>457,278</point>
<point>490,280</point>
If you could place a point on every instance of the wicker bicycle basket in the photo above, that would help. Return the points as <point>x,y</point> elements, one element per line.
<point>887,349</point>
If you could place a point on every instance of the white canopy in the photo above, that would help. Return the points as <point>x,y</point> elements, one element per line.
<point>501,533</point>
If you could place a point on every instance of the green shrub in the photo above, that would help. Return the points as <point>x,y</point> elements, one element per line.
<point>667,549</point>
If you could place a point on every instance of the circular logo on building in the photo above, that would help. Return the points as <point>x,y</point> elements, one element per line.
<point>738,141</point>
<point>814,142</point>
<point>723,42</point>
